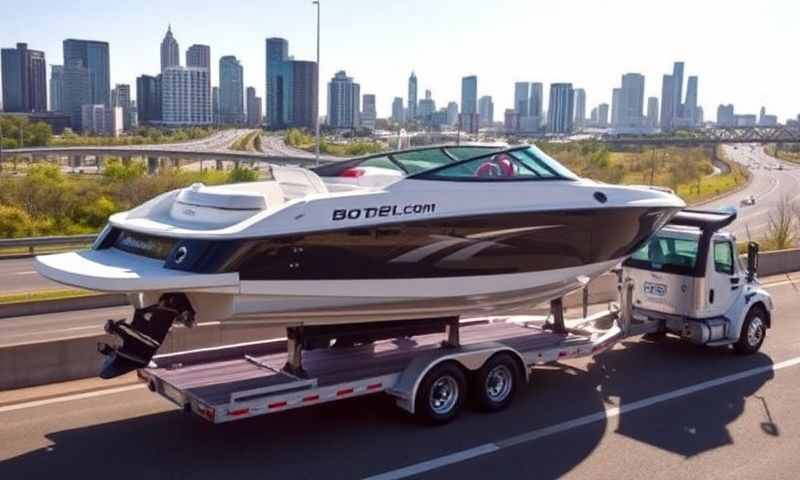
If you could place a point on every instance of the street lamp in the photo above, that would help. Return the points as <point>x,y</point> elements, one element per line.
<point>316,120</point>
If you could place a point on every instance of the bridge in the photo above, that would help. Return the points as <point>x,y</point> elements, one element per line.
<point>713,135</point>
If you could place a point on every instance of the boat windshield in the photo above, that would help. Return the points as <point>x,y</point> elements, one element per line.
<point>527,163</point>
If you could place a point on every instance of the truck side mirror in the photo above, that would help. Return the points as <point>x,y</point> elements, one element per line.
<point>752,260</point>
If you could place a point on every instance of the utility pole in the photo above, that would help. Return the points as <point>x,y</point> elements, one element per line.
<point>316,120</point>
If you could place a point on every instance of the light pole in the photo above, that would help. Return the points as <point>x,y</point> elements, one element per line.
<point>316,120</point>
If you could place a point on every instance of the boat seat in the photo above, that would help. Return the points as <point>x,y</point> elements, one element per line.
<point>297,182</point>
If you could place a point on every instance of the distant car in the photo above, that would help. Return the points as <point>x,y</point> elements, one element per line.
<point>780,167</point>
<point>748,201</point>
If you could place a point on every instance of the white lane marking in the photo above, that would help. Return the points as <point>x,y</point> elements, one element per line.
<point>577,422</point>
<point>27,272</point>
<point>69,398</point>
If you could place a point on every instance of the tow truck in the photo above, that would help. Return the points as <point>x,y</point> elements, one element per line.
<point>686,281</point>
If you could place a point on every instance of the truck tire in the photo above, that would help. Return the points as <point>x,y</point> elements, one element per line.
<point>441,394</point>
<point>753,332</point>
<point>495,383</point>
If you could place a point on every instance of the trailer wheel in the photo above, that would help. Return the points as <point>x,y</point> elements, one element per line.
<point>441,394</point>
<point>496,382</point>
<point>753,332</point>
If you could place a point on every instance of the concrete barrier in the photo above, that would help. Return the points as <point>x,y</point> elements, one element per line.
<point>781,261</point>
<point>40,307</point>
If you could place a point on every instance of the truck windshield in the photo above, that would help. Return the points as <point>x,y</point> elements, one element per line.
<point>665,254</point>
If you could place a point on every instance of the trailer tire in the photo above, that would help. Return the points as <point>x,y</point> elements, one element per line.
<point>753,332</point>
<point>441,394</point>
<point>495,383</point>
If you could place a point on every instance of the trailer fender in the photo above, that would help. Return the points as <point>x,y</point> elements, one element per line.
<point>470,358</point>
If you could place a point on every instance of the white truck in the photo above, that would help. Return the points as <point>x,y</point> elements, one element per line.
<point>687,281</point>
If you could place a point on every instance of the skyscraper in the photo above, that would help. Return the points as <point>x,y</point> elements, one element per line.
<point>616,107</point>
<point>231,91</point>
<point>469,94</point>
<point>726,116</point>
<point>305,88</point>
<point>397,110</point>
<point>667,92</point>
<point>452,113</point>
<point>368,111</point>
<point>677,90</point>
<point>580,107</point>
<point>94,56</point>
<point>121,97</point>
<point>602,115</point>
<point>56,85</point>
<point>537,100</point>
<point>631,101</point>
<point>76,91</point>
<point>522,98</point>
<point>199,56</point>
<point>652,112</point>
<point>426,107</point>
<point>148,99</point>
<point>215,106</point>
<point>343,101</point>
<point>560,111</point>
<point>412,97</point>
<point>170,52</point>
<point>690,107</point>
<point>186,96</point>
<point>24,79</point>
<point>254,117</point>
<point>292,88</point>
<point>486,110</point>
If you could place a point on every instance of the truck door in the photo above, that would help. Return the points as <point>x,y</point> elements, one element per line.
<point>724,278</point>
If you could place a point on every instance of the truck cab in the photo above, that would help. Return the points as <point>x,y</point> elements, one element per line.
<point>688,280</point>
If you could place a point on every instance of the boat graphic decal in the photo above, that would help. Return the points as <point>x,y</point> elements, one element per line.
<point>383,211</point>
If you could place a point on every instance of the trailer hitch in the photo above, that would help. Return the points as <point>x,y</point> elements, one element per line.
<point>143,336</point>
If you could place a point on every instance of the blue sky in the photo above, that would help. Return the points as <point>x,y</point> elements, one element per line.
<point>744,52</point>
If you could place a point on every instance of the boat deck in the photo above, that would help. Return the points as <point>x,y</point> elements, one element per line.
<point>212,377</point>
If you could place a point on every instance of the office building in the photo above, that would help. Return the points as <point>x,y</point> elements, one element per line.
<point>765,120</point>
<point>148,99</point>
<point>726,117</point>
<point>56,86</point>
<point>102,120</point>
<point>185,96</point>
<point>170,52</point>
<point>536,104</point>
<point>689,108</point>
<point>254,117</point>
<point>602,115</point>
<point>231,91</point>
<point>426,107</point>
<point>94,56</point>
<point>469,94</point>
<point>412,97</point>
<point>677,90</point>
<point>580,107</point>
<point>398,110</point>
<point>121,97</point>
<point>560,111</point>
<point>199,56</point>
<point>511,121</point>
<point>486,111</point>
<point>24,79</point>
<point>452,113</point>
<point>343,101</point>
<point>667,92</point>
<point>369,113</point>
<point>522,98</point>
<point>76,91</point>
<point>215,117</point>
<point>616,107</point>
<point>652,112</point>
<point>292,88</point>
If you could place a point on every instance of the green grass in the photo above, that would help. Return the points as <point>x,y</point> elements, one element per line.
<point>43,295</point>
<point>247,143</point>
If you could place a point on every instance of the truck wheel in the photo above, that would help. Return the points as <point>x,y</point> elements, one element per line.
<point>753,332</point>
<point>441,394</point>
<point>496,382</point>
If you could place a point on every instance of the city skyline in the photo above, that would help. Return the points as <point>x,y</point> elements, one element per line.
<point>383,64</point>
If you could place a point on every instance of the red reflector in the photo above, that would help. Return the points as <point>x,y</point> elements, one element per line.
<point>562,354</point>
<point>352,172</point>
<point>277,405</point>
<point>236,413</point>
<point>311,398</point>
<point>374,386</point>
<point>346,391</point>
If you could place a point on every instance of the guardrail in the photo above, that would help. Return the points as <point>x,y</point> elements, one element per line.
<point>33,242</point>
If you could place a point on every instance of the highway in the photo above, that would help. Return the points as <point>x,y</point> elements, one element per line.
<point>18,276</point>
<point>768,186</point>
<point>660,410</point>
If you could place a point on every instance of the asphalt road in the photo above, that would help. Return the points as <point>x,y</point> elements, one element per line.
<point>768,186</point>
<point>660,410</point>
<point>54,326</point>
<point>18,276</point>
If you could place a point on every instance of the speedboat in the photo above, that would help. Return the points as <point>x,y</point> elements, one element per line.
<point>421,233</point>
